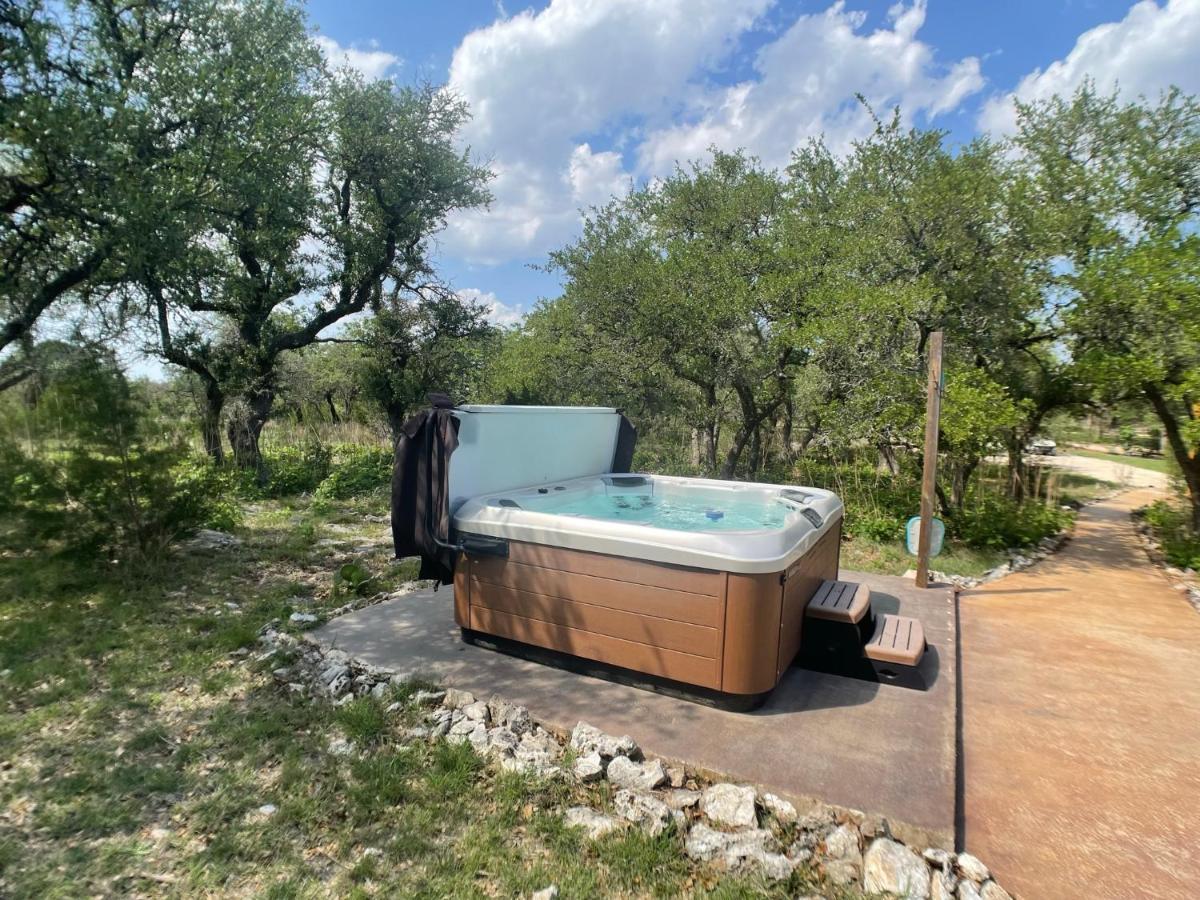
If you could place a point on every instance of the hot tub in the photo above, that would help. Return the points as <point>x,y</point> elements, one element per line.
<point>686,583</point>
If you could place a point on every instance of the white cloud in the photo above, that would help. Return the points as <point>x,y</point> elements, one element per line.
<point>373,63</point>
<point>498,313</point>
<point>1153,47</point>
<point>540,85</point>
<point>547,88</point>
<point>805,85</point>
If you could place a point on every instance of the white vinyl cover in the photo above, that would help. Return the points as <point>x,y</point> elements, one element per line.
<point>753,551</point>
<point>506,447</point>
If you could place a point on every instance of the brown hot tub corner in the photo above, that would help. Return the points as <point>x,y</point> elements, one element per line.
<point>719,637</point>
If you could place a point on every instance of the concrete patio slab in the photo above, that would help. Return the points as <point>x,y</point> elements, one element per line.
<point>852,743</point>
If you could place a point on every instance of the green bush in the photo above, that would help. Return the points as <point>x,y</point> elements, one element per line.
<point>1172,527</point>
<point>92,470</point>
<point>293,470</point>
<point>997,523</point>
<point>359,470</point>
<point>208,494</point>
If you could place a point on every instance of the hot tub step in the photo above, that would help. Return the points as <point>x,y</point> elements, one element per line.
<point>840,601</point>
<point>898,640</point>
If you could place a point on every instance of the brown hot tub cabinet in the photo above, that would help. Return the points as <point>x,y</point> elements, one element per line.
<point>727,637</point>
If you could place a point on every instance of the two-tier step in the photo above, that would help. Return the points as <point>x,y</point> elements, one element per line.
<point>842,635</point>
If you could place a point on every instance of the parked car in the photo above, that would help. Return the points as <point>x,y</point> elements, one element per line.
<point>1042,447</point>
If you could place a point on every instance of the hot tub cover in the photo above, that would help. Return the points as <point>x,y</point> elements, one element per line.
<point>424,479</point>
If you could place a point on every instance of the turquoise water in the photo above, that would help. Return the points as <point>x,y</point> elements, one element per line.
<point>676,513</point>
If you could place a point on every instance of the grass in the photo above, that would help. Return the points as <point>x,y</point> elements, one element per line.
<point>892,558</point>
<point>142,743</point>
<point>1153,464</point>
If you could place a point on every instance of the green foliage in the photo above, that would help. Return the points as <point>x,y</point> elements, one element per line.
<point>291,470</point>
<point>358,470</point>
<point>353,578</point>
<point>208,494</point>
<point>93,471</point>
<point>1173,528</point>
<point>998,523</point>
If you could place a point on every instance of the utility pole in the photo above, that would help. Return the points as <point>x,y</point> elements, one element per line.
<point>933,412</point>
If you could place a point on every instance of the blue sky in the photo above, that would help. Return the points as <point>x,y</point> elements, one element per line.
<point>577,99</point>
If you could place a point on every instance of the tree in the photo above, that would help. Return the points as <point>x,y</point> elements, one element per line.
<point>338,186</point>
<point>100,139</point>
<point>684,275</point>
<point>915,239</point>
<point>1120,183</point>
<point>435,341</point>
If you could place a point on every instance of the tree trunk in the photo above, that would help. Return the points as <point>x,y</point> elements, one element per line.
<point>333,413</point>
<point>395,416</point>
<point>1016,468</point>
<point>756,451</point>
<point>210,421</point>
<point>1189,465</point>
<point>246,426</point>
<point>960,479</point>
<point>887,459</point>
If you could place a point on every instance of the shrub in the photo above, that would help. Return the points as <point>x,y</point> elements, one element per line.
<point>294,470</point>
<point>997,523</point>
<point>358,470</point>
<point>1172,527</point>
<point>93,472</point>
<point>207,494</point>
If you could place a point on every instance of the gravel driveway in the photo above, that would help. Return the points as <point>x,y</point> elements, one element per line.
<point>1105,470</point>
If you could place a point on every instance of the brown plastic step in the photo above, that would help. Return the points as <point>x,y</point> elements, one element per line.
<point>840,601</point>
<point>897,639</point>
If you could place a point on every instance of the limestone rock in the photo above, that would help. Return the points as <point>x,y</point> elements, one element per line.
<point>478,736</point>
<point>753,847</point>
<point>208,539</point>
<point>942,886</point>
<point>968,890</point>
<point>971,867</point>
<point>456,699</point>
<point>596,824</point>
<point>675,776</point>
<point>298,618</point>
<point>993,891</point>
<point>704,843</point>
<point>587,769</point>
<point>939,858</point>
<point>476,712</point>
<point>502,740</point>
<point>625,773</point>
<point>817,821</point>
<point>781,809</point>
<point>642,809</point>
<point>729,804</point>
<point>426,697</point>
<point>843,843</point>
<point>587,739</point>
<point>339,746</point>
<point>546,893</point>
<point>680,799</point>
<point>842,872</point>
<point>889,867</point>
<point>874,825</point>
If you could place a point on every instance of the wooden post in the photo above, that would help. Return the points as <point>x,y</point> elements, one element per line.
<point>933,411</point>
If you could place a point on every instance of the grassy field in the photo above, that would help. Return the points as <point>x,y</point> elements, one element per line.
<point>1137,462</point>
<point>147,753</point>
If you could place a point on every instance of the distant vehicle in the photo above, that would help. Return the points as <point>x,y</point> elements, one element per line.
<point>1042,447</point>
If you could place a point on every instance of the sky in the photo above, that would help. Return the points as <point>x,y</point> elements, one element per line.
<point>574,101</point>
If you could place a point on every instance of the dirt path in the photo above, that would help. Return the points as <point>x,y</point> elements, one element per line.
<point>1106,470</point>
<point>1081,721</point>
